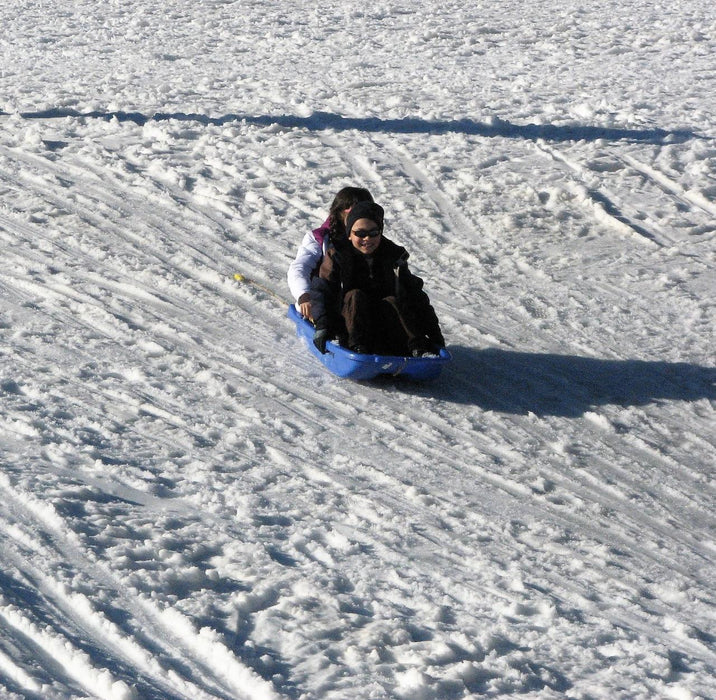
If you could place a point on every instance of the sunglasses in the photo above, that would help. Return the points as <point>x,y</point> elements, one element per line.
<point>366,234</point>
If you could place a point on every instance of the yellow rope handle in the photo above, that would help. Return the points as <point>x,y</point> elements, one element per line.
<point>247,280</point>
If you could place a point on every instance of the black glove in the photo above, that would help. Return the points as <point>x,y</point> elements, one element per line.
<point>320,338</point>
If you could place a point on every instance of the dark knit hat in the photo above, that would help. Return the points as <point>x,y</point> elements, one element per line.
<point>365,210</point>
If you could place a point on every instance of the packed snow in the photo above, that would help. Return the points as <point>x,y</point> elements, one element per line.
<point>192,507</point>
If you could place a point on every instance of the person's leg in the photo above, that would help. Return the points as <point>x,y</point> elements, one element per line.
<point>392,332</point>
<point>399,327</point>
<point>357,316</point>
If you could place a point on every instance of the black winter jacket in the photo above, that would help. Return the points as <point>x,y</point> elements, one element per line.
<point>383,274</point>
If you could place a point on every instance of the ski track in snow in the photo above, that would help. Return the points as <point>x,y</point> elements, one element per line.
<point>442,440</point>
<point>191,507</point>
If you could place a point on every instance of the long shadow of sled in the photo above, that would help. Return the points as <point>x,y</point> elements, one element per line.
<point>566,385</point>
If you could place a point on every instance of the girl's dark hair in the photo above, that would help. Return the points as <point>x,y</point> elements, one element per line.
<point>344,199</point>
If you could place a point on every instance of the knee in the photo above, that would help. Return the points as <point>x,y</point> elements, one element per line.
<point>392,305</point>
<point>354,297</point>
<point>354,293</point>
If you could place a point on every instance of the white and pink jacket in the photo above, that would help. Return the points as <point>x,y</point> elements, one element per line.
<point>308,258</point>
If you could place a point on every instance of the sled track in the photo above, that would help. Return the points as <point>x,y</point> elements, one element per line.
<point>75,629</point>
<point>482,481</point>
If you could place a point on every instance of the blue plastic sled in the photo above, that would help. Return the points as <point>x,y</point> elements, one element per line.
<point>352,365</point>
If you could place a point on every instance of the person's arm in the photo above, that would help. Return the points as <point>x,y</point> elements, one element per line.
<point>300,271</point>
<point>325,297</point>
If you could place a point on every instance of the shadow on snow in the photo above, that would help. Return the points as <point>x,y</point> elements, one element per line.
<point>321,121</point>
<point>565,385</point>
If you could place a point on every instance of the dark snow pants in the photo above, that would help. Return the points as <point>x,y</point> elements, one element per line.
<point>382,326</point>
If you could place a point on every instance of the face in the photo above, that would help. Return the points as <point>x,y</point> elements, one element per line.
<point>344,214</point>
<point>366,244</point>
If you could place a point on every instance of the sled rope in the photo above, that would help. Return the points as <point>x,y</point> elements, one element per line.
<point>243,279</point>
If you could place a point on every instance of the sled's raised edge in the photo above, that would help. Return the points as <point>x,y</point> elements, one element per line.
<point>351,365</point>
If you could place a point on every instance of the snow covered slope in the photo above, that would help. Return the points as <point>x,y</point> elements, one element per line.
<point>191,507</point>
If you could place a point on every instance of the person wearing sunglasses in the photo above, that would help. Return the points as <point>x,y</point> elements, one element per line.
<point>315,244</point>
<point>366,297</point>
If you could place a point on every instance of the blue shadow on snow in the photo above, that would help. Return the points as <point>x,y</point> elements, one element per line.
<point>565,385</point>
<point>323,121</point>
